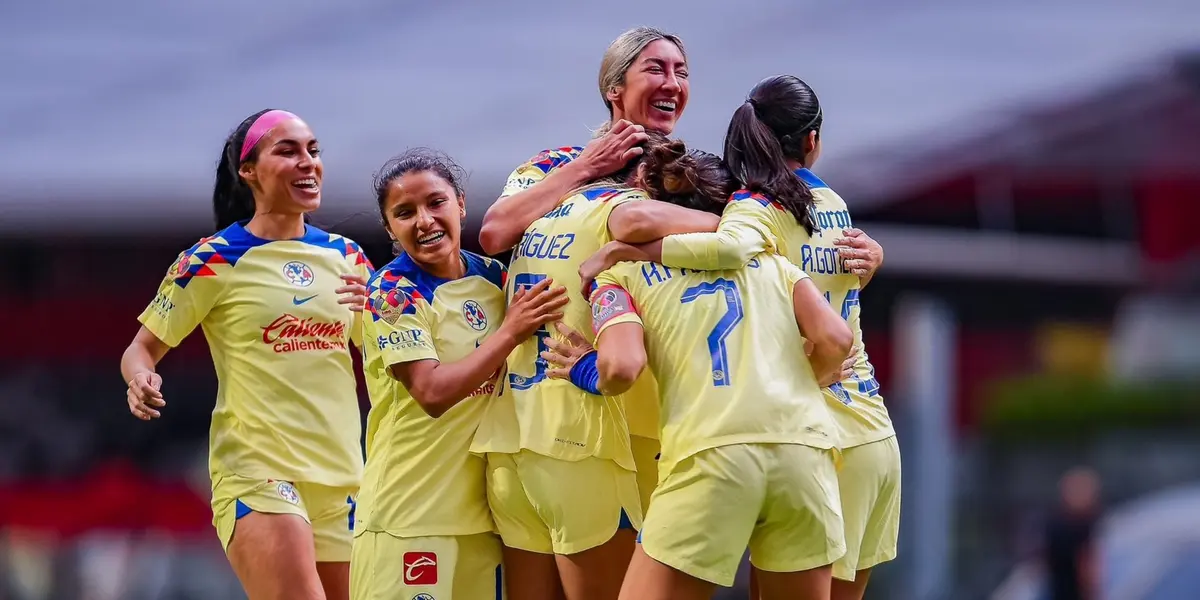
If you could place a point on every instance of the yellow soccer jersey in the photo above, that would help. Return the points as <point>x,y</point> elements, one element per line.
<point>421,479</point>
<point>641,401</point>
<point>752,223</point>
<point>551,416</point>
<point>287,406</point>
<point>716,342</point>
<point>538,167</point>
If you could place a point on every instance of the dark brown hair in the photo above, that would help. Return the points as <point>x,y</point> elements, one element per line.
<point>692,178</point>
<point>672,173</point>
<point>416,160</point>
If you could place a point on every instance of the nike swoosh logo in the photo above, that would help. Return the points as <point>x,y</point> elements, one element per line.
<point>298,301</point>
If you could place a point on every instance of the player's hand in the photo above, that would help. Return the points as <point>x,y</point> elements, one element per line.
<point>144,396</point>
<point>602,260</point>
<point>563,355</point>
<point>533,307</point>
<point>860,254</point>
<point>354,293</point>
<point>610,152</point>
<point>846,371</point>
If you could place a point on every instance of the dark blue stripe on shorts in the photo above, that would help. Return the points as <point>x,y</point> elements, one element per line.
<point>240,509</point>
<point>625,523</point>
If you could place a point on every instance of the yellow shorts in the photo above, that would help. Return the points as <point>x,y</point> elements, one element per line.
<point>869,481</point>
<point>551,506</point>
<point>329,510</point>
<point>645,458</point>
<point>780,500</point>
<point>463,567</point>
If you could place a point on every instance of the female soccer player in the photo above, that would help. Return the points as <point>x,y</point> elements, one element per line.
<point>746,442</point>
<point>540,433</point>
<point>772,141</point>
<point>284,452</point>
<point>437,338</point>
<point>644,85</point>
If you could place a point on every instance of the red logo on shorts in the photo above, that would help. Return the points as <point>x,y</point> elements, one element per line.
<point>420,568</point>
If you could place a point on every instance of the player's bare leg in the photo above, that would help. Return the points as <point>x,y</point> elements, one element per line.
<point>532,576</point>
<point>597,573</point>
<point>273,557</point>
<point>813,584</point>
<point>851,590</point>
<point>649,579</point>
<point>335,579</point>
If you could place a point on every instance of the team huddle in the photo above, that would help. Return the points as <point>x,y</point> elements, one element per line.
<point>670,371</point>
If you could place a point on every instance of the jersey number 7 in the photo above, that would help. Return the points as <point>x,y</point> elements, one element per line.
<point>716,338</point>
<point>519,382</point>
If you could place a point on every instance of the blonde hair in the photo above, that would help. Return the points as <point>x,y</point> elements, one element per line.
<point>620,55</point>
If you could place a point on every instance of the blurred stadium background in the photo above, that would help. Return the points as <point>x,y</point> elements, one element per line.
<point>1031,169</point>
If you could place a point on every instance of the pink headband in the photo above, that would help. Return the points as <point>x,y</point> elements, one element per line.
<point>264,123</point>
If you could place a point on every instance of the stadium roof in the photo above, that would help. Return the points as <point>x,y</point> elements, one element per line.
<point>115,113</point>
<point>1145,125</point>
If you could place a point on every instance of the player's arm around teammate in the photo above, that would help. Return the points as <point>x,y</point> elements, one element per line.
<point>286,483</point>
<point>740,235</point>
<point>437,338</point>
<point>527,197</point>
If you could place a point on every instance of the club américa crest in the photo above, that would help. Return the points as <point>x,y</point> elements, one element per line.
<point>298,274</point>
<point>288,492</point>
<point>475,316</point>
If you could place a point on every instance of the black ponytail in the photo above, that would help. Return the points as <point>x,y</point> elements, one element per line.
<point>767,131</point>
<point>233,200</point>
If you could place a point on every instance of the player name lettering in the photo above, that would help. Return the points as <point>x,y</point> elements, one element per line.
<point>655,273</point>
<point>290,333</point>
<point>562,210</point>
<point>535,244</point>
<point>821,260</point>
